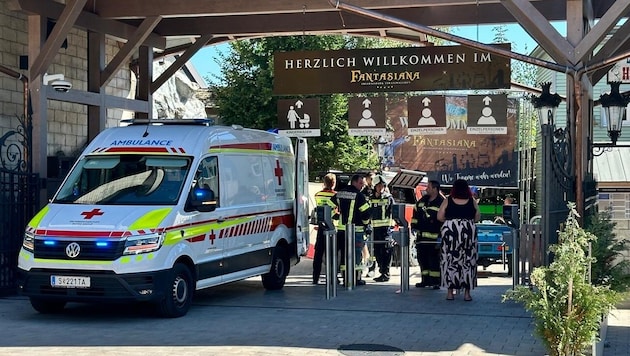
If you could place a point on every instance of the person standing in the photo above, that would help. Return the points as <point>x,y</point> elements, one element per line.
<point>324,198</point>
<point>368,251</point>
<point>427,226</point>
<point>458,265</point>
<point>381,208</point>
<point>353,209</point>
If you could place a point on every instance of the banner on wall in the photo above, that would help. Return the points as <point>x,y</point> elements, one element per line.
<point>402,69</point>
<point>484,157</point>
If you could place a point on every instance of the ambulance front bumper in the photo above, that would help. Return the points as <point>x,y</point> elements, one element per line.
<point>104,286</point>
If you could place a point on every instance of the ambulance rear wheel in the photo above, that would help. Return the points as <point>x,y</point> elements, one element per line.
<point>47,306</point>
<point>178,294</point>
<point>275,279</point>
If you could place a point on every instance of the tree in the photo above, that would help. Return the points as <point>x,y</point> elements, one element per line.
<point>245,97</point>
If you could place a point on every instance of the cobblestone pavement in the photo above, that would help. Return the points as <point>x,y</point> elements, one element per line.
<point>242,318</point>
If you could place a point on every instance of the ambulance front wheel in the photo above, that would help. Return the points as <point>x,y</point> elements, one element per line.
<point>275,279</point>
<point>178,294</point>
<point>47,306</point>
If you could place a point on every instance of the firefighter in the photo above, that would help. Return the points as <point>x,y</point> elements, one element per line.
<point>353,209</point>
<point>381,207</point>
<point>323,198</point>
<point>427,228</point>
<point>368,250</point>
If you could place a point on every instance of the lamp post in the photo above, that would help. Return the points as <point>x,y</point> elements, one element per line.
<point>614,105</point>
<point>556,184</point>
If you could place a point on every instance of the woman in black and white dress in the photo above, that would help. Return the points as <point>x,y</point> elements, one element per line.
<point>458,263</point>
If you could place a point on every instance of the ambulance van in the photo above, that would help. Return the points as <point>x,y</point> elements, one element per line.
<point>155,210</point>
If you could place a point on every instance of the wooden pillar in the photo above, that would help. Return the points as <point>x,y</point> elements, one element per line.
<point>97,114</point>
<point>579,95</point>
<point>145,74</point>
<point>37,26</point>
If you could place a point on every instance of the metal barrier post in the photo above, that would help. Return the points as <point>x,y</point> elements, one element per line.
<point>350,257</point>
<point>331,264</point>
<point>404,259</point>
<point>402,238</point>
<point>327,228</point>
<point>515,258</point>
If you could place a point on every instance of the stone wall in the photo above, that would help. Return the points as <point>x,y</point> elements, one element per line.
<point>67,122</point>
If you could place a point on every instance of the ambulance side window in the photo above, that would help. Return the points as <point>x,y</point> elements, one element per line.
<point>207,175</point>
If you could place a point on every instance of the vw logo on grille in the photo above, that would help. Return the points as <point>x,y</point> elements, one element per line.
<point>73,250</point>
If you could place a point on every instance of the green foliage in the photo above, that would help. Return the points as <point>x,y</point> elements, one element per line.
<point>244,96</point>
<point>609,267</point>
<point>567,308</point>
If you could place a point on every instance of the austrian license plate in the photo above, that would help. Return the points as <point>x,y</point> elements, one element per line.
<point>70,282</point>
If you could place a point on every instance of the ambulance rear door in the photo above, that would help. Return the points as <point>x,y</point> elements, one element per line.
<point>301,208</point>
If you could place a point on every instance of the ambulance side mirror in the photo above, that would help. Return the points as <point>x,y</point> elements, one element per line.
<point>203,199</point>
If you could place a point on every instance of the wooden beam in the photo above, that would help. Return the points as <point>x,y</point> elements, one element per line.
<point>87,21</point>
<point>174,8</point>
<point>96,114</point>
<point>249,25</point>
<point>145,76</point>
<point>618,43</point>
<point>180,61</point>
<point>541,30</point>
<point>595,36</point>
<point>57,36</point>
<point>95,99</point>
<point>128,49</point>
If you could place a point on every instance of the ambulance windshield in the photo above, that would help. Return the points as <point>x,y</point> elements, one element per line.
<point>127,179</point>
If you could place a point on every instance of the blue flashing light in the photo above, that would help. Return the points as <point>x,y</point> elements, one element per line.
<point>102,244</point>
<point>50,243</point>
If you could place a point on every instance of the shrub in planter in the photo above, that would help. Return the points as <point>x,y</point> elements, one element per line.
<point>566,307</point>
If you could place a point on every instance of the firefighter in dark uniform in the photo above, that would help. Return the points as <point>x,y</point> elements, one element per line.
<point>381,206</point>
<point>324,198</point>
<point>353,209</point>
<point>427,228</point>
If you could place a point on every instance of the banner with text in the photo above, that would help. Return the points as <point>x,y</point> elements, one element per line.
<point>482,158</point>
<point>390,70</point>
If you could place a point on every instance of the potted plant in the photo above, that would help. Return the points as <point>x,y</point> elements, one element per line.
<point>567,308</point>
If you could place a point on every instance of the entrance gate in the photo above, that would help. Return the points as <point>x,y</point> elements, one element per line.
<point>18,198</point>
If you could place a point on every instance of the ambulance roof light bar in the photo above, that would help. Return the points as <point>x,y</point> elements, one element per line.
<point>199,122</point>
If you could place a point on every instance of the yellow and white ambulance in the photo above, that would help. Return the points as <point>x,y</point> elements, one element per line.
<point>158,209</point>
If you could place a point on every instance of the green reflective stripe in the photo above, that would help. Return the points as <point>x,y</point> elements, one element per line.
<point>172,237</point>
<point>151,219</point>
<point>363,207</point>
<point>125,260</point>
<point>430,235</point>
<point>434,208</point>
<point>34,223</point>
<point>434,274</point>
<point>25,255</point>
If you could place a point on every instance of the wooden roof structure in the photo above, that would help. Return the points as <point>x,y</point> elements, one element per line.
<point>151,28</point>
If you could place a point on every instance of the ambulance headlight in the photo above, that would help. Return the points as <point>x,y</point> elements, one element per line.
<point>143,244</point>
<point>29,241</point>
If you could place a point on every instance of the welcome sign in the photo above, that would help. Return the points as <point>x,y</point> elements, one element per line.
<point>390,70</point>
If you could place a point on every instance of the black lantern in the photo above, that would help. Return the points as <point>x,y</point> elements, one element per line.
<point>546,105</point>
<point>614,105</point>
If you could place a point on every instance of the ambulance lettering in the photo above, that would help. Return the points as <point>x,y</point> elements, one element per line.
<point>142,143</point>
